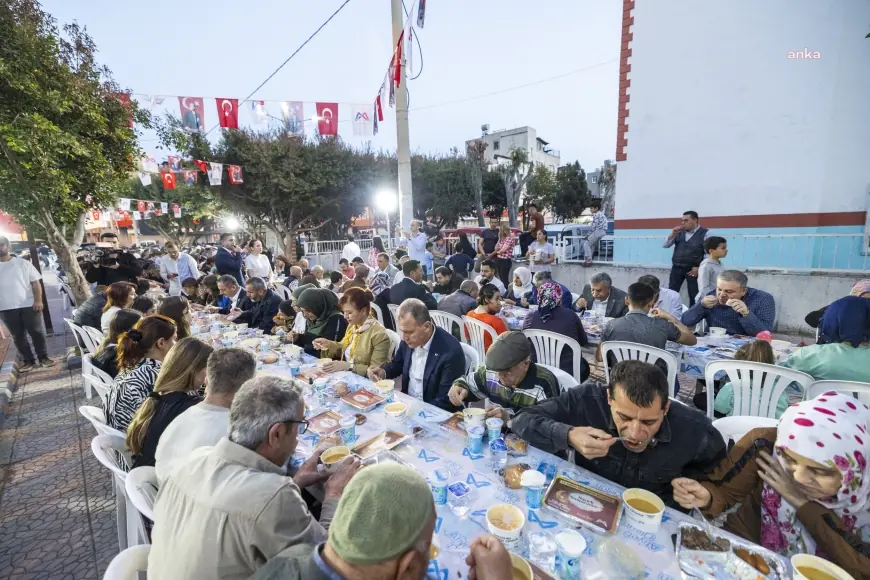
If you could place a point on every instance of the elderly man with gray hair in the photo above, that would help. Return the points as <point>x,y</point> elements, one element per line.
<point>231,507</point>
<point>540,279</point>
<point>734,306</point>
<point>266,303</point>
<point>601,298</point>
<point>428,359</point>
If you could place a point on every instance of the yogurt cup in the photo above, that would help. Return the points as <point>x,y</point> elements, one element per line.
<point>506,522</point>
<point>533,481</point>
<point>347,429</point>
<point>396,410</point>
<point>493,428</point>
<point>804,564</point>
<point>385,389</point>
<point>334,456</point>
<point>570,546</point>
<point>438,484</point>
<point>474,439</point>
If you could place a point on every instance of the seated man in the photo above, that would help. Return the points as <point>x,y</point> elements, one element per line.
<point>638,326</point>
<point>234,296</point>
<point>447,282</point>
<point>385,267</point>
<point>411,287</point>
<point>462,301</point>
<point>665,299</point>
<point>600,297</point>
<point>402,260</point>
<point>509,379</point>
<point>628,432</point>
<point>542,278</point>
<point>428,359</point>
<point>292,281</point>
<point>488,276</point>
<point>229,508</point>
<point>734,307</point>
<point>265,306</point>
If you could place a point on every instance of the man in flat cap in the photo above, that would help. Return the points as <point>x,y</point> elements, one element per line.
<point>509,379</point>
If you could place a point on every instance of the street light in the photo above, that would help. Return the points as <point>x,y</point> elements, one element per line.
<point>231,223</point>
<point>385,200</point>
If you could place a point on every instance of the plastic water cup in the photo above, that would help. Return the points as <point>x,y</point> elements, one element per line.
<point>493,428</point>
<point>542,551</point>
<point>533,481</point>
<point>347,429</point>
<point>498,448</point>
<point>474,439</point>
<point>438,483</point>
<point>459,498</point>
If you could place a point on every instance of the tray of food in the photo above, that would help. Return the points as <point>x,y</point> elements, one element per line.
<point>584,505</point>
<point>383,441</point>
<point>704,552</point>
<point>324,423</point>
<point>362,400</point>
<point>455,424</point>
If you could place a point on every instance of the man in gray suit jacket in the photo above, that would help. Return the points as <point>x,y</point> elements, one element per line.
<point>601,297</point>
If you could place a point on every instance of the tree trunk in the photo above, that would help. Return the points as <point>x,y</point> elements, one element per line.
<point>79,231</point>
<point>478,193</point>
<point>512,208</point>
<point>67,259</point>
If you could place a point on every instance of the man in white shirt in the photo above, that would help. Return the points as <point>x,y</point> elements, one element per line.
<point>351,249</point>
<point>176,267</point>
<point>20,305</point>
<point>416,241</point>
<point>400,275</point>
<point>666,299</point>
<point>487,276</point>
<point>206,423</point>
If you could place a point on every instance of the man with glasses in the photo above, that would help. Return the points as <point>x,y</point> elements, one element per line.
<point>227,509</point>
<point>734,306</point>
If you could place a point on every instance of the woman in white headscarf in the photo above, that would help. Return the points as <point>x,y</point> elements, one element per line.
<point>521,288</point>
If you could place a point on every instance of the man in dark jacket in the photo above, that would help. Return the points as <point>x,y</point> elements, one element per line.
<point>428,359</point>
<point>629,432</point>
<point>601,297</point>
<point>264,309</point>
<point>462,301</point>
<point>447,281</point>
<point>114,265</point>
<point>687,240</point>
<point>234,296</point>
<point>411,287</point>
<point>89,313</point>
<point>228,261</point>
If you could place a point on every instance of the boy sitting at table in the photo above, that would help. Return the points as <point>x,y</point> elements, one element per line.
<point>509,379</point>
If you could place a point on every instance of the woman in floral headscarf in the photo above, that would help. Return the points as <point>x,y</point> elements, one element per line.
<point>551,315</point>
<point>804,485</point>
<point>861,289</point>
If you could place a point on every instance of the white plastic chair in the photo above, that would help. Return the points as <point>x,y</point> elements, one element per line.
<point>94,383</point>
<point>110,450</point>
<point>378,313</point>
<point>141,487</point>
<point>128,564</point>
<point>476,332</point>
<point>283,291</point>
<point>394,313</point>
<point>96,335</point>
<point>566,381</point>
<point>624,350</point>
<point>472,359</point>
<point>737,426</point>
<point>446,321</point>
<point>757,386</point>
<point>394,340</point>
<point>97,418</point>
<point>860,391</point>
<point>84,338</point>
<point>548,348</point>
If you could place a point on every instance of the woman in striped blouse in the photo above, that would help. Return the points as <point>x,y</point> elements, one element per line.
<point>140,353</point>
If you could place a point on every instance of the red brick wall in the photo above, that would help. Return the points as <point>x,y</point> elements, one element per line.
<point>624,81</point>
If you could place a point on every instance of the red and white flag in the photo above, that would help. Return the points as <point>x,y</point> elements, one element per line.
<point>235,174</point>
<point>228,111</point>
<point>168,179</point>
<point>176,210</point>
<point>140,205</point>
<point>327,118</point>
<point>379,109</point>
<point>397,60</point>
<point>203,166</point>
<point>192,114</point>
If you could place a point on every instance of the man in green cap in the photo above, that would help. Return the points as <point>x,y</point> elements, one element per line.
<point>509,379</point>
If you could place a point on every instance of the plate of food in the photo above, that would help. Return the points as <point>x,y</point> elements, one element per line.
<point>383,441</point>
<point>362,399</point>
<point>709,553</point>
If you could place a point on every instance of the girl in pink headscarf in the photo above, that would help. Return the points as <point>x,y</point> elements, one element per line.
<point>803,486</point>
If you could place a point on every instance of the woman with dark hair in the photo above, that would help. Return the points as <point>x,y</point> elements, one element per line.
<point>552,316</point>
<point>209,294</point>
<point>142,305</point>
<point>541,253</point>
<point>488,307</point>
<point>463,246</point>
<point>105,357</point>
<point>282,266</point>
<point>257,263</point>
<point>140,353</point>
<point>177,308</point>
<point>377,248</point>
<point>181,377</point>
<point>320,307</point>
<point>119,296</point>
<point>365,342</point>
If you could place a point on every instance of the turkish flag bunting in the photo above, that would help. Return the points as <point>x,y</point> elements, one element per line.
<point>397,69</point>
<point>327,118</point>
<point>228,112</point>
<point>168,179</point>
<point>203,166</point>
<point>379,109</point>
<point>235,173</point>
<point>140,205</point>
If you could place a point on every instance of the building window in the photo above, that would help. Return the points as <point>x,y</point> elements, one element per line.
<point>594,179</point>
<point>495,145</point>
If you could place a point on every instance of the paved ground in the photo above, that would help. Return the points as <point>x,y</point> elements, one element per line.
<point>57,515</point>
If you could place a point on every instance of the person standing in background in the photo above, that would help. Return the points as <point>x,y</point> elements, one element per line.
<point>486,243</point>
<point>687,240</point>
<point>20,305</point>
<point>416,241</point>
<point>536,224</point>
<point>541,253</point>
<point>376,249</point>
<point>716,248</point>
<point>228,260</point>
<point>257,263</point>
<point>598,231</point>
<point>351,249</point>
<point>503,254</point>
<point>176,266</point>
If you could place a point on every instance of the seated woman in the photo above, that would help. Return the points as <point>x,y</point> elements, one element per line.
<point>105,358</point>
<point>803,486</point>
<point>552,316</point>
<point>319,306</point>
<point>190,292</point>
<point>488,306</point>
<point>209,293</point>
<point>179,381</point>
<point>861,289</point>
<point>119,296</point>
<point>282,266</point>
<point>521,288</point>
<point>335,281</point>
<point>845,356</point>
<point>177,308</point>
<point>140,353</point>
<point>142,305</point>
<point>365,343</point>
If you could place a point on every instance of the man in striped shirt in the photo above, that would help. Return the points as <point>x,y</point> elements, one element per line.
<point>509,379</point>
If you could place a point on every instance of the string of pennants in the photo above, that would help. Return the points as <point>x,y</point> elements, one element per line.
<point>172,167</point>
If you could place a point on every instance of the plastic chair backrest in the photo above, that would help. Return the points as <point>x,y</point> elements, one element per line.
<point>394,312</point>
<point>127,564</point>
<point>84,337</point>
<point>566,381</point>
<point>283,291</point>
<point>624,350</point>
<point>141,486</point>
<point>736,427</point>
<point>378,313</point>
<point>477,330</point>
<point>107,449</point>
<point>97,384</point>
<point>548,348</point>
<point>860,391</point>
<point>446,321</point>
<point>394,341</point>
<point>97,418</point>
<point>96,335</point>
<point>472,359</point>
<point>757,386</point>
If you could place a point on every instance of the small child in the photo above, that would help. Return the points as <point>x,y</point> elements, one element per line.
<point>428,261</point>
<point>716,248</point>
<point>335,281</point>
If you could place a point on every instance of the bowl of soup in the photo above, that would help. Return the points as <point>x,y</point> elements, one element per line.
<point>808,567</point>
<point>505,522</point>
<point>522,569</point>
<point>332,457</point>
<point>474,417</point>
<point>642,510</point>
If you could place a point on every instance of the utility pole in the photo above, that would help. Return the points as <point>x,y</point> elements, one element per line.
<point>403,139</point>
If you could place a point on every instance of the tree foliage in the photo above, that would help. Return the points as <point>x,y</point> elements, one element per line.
<point>572,191</point>
<point>542,187</point>
<point>494,194</point>
<point>443,187</point>
<point>65,138</point>
<point>515,172</point>
<point>475,152</point>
